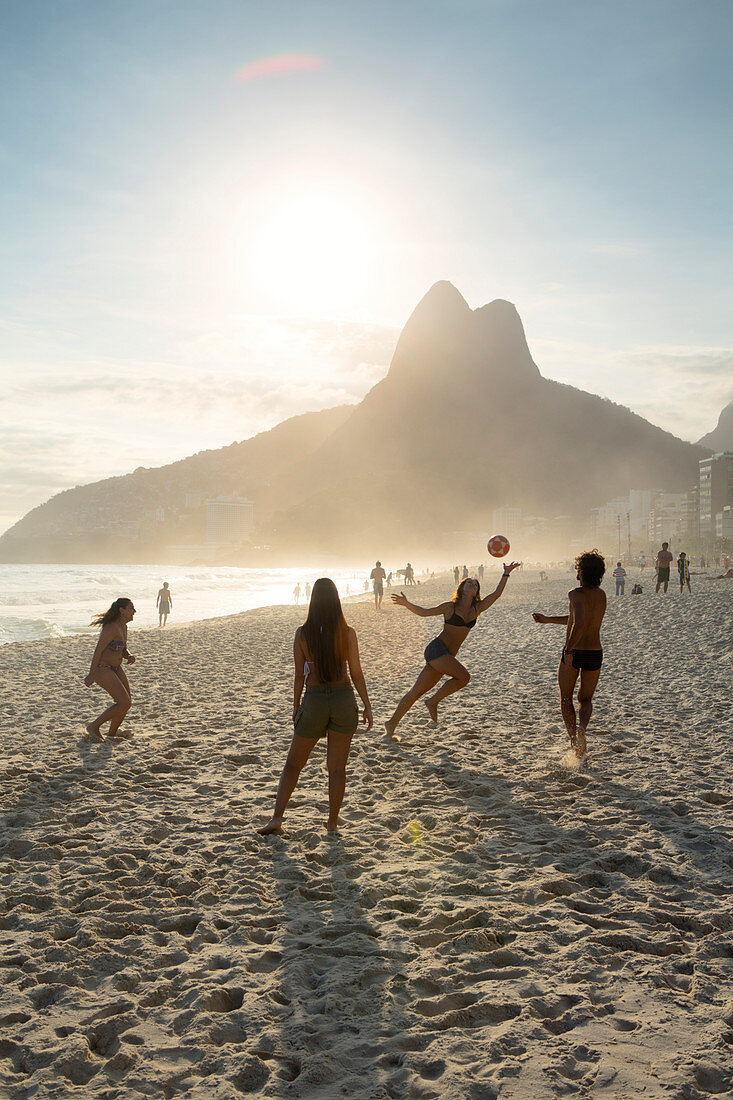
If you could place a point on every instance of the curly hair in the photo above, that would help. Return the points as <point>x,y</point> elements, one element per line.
<point>591,567</point>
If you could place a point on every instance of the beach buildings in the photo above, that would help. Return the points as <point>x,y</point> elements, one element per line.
<point>716,490</point>
<point>228,520</point>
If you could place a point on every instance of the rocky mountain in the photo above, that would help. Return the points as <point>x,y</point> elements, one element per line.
<point>721,437</point>
<point>463,423</point>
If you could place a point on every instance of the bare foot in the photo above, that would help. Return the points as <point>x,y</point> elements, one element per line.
<point>93,731</point>
<point>332,828</point>
<point>120,733</point>
<point>390,728</point>
<point>432,710</point>
<point>579,745</point>
<point>274,825</point>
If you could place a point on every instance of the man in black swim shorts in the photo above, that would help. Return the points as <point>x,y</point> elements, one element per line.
<point>582,654</point>
<point>664,560</point>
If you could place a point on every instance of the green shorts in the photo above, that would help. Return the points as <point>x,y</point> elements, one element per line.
<point>327,707</point>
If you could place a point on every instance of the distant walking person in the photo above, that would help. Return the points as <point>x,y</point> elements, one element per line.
<point>164,603</point>
<point>389,579</point>
<point>296,593</point>
<point>456,575</point>
<point>325,652</point>
<point>106,667</point>
<point>582,652</point>
<point>307,590</point>
<point>377,576</point>
<point>642,562</point>
<point>663,563</point>
<point>619,575</point>
<point>480,573</point>
<point>409,574</point>
<point>683,569</point>
<point>460,614</point>
<point>465,573</point>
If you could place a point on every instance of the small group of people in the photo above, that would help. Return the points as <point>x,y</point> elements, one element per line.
<point>328,668</point>
<point>662,567</point>
<point>297,591</point>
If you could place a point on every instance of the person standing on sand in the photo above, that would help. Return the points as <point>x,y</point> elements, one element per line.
<point>683,568</point>
<point>296,593</point>
<point>377,576</point>
<point>460,614</point>
<point>325,651</point>
<point>664,561</point>
<point>164,603</point>
<point>619,575</point>
<point>456,575</point>
<point>106,667</point>
<point>307,590</point>
<point>582,652</point>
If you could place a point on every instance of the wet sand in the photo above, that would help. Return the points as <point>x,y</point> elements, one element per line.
<point>488,923</point>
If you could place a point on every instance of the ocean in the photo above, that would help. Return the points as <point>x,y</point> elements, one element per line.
<point>51,601</point>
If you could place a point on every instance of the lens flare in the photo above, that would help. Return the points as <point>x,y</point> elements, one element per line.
<point>278,64</point>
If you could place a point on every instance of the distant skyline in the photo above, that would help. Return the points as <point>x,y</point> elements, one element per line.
<point>216,216</point>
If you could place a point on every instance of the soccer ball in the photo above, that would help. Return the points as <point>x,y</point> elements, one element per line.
<point>498,546</point>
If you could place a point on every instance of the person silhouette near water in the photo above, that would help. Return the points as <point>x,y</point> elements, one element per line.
<point>106,667</point>
<point>164,604</point>
<point>377,576</point>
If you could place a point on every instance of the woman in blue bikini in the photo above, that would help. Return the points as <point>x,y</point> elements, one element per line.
<point>460,615</point>
<point>106,667</point>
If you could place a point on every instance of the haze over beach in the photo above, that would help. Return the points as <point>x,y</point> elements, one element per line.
<point>417,314</point>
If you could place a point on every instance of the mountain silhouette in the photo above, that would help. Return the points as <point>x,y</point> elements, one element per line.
<point>462,423</point>
<point>721,437</point>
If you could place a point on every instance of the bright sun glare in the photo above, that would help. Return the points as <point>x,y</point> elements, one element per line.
<point>310,252</point>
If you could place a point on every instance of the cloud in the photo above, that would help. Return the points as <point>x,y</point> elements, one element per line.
<point>79,422</point>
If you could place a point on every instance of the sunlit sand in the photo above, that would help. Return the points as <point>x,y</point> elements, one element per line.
<point>490,919</point>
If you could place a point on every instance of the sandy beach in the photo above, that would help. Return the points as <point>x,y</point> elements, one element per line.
<point>488,923</point>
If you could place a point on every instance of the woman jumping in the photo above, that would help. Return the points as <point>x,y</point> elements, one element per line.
<point>106,667</point>
<point>460,616</point>
<point>325,651</point>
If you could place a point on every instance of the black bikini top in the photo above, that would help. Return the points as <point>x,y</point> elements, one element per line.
<point>456,620</point>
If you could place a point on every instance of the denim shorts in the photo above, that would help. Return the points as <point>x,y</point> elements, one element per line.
<point>437,648</point>
<point>327,707</point>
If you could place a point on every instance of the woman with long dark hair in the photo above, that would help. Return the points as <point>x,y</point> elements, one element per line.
<point>460,614</point>
<point>325,652</point>
<point>106,667</point>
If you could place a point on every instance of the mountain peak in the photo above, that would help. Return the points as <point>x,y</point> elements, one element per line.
<point>444,336</point>
<point>721,437</point>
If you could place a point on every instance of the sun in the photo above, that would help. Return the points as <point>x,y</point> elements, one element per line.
<point>310,251</point>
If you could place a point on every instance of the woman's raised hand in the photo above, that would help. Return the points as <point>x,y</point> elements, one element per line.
<point>399,598</point>
<point>512,565</point>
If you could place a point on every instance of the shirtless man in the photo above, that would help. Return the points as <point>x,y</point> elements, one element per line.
<point>664,560</point>
<point>164,603</point>
<point>582,653</point>
<point>377,576</point>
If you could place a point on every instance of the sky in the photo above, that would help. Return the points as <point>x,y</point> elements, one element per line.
<point>217,215</point>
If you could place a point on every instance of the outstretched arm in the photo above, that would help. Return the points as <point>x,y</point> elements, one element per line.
<point>561,620</point>
<point>424,612</point>
<point>494,596</point>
